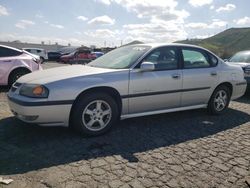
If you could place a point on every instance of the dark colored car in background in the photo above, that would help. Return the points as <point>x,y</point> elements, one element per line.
<point>242,59</point>
<point>54,56</point>
<point>81,56</point>
<point>98,54</point>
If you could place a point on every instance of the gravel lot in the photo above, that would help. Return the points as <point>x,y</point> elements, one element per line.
<point>183,149</point>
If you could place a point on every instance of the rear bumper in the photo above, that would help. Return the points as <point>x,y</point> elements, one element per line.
<point>44,115</point>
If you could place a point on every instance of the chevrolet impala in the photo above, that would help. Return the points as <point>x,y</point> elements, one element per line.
<point>130,81</point>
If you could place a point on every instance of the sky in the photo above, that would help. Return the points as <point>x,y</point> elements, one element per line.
<point>115,22</point>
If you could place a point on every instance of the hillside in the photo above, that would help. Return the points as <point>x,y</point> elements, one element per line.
<point>225,43</point>
<point>133,42</point>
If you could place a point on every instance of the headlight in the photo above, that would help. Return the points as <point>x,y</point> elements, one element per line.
<point>34,91</point>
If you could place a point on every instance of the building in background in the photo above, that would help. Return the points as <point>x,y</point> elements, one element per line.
<point>20,45</point>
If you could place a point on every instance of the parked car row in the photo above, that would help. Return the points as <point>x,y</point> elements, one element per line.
<point>73,55</point>
<point>15,63</point>
<point>80,56</point>
<point>70,55</point>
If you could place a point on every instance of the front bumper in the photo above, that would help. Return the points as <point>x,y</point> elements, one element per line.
<point>39,113</point>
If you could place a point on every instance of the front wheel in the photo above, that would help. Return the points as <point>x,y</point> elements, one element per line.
<point>94,114</point>
<point>219,100</point>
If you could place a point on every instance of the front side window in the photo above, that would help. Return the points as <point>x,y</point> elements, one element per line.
<point>195,59</point>
<point>164,58</point>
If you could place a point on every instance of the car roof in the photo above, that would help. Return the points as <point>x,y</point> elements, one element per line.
<point>12,48</point>
<point>156,45</point>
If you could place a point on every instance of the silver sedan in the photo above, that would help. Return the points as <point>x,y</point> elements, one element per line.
<point>128,82</point>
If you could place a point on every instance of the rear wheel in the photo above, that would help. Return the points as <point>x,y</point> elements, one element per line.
<point>219,100</point>
<point>16,74</point>
<point>94,114</point>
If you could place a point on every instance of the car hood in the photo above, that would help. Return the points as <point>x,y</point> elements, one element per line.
<point>242,64</point>
<point>61,73</point>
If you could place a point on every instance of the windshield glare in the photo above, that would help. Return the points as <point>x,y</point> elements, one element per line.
<point>120,58</point>
<point>243,57</point>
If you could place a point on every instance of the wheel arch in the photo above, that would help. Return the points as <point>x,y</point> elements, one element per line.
<point>102,89</point>
<point>16,70</point>
<point>227,84</point>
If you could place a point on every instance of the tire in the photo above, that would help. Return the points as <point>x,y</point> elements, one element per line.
<point>89,116</point>
<point>219,100</point>
<point>15,75</point>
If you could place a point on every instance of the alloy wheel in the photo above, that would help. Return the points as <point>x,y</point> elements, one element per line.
<point>220,100</point>
<point>96,115</point>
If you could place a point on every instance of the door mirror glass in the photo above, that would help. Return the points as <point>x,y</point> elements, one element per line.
<point>147,66</point>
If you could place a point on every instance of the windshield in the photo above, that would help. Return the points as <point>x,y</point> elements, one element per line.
<point>243,57</point>
<point>120,58</point>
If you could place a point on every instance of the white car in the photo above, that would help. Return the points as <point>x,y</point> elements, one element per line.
<point>15,63</point>
<point>128,82</point>
<point>38,51</point>
<point>242,59</point>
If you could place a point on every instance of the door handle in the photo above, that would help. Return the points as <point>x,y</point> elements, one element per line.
<point>7,61</point>
<point>213,73</point>
<point>176,76</point>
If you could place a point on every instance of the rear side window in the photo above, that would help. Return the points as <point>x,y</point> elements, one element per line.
<point>6,52</point>
<point>195,59</point>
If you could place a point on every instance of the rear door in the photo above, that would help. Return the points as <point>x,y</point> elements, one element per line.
<point>200,76</point>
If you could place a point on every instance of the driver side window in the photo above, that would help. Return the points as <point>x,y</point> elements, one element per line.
<point>164,58</point>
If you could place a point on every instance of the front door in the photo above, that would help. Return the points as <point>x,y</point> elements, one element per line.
<point>158,89</point>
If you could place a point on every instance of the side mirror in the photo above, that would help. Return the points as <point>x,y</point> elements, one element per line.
<point>147,66</point>
<point>225,60</point>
